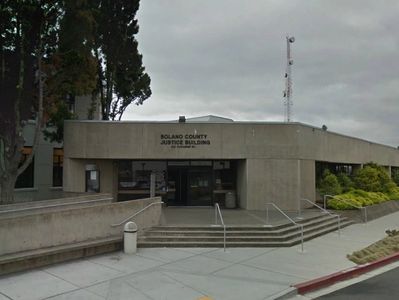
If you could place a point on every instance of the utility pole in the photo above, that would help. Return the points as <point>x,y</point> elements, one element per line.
<point>288,82</point>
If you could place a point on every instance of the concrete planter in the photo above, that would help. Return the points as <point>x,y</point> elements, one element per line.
<point>373,211</point>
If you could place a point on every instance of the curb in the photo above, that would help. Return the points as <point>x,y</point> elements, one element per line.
<point>314,284</point>
<point>285,294</point>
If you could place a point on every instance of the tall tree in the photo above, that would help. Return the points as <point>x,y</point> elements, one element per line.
<point>40,64</point>
<point>26,33</point>
<point>107,30</point>
<point>72,68</point>
<point>53,50</point>
<point>121,77</point>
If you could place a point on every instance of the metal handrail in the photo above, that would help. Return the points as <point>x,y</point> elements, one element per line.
<point>285,215</point>
<point>218,212</point>
<point>325,211</point>
<point>364,208</point>
<point>136,213</point>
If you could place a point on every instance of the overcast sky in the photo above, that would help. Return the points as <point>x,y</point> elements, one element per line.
<point>227,58</point>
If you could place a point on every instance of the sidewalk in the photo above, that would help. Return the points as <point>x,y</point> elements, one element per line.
<point>195,273</point>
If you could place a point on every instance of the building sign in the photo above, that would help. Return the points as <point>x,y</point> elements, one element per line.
<point>184,140</point>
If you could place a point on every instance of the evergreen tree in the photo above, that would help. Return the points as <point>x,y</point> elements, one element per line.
<point>373,178</point>
<point>53,50</point>
<point>329,185</point>
<point>27,36</point>
<point>121,77</point>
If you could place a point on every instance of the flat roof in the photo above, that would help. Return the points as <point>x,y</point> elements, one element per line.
<point>191,122</point>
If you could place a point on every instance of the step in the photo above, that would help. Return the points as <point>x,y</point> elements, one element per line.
<point>236,227</point>
<point>232,244</point>
<point>219,243</point>
<point>321,232</point>
<point>240,237</point>
<point>25,260</point>
<point>234,234</point>
<point>255,230</point>
<point>238,230</point>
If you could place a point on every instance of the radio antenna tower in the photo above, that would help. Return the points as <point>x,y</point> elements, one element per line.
<point>288,81</point>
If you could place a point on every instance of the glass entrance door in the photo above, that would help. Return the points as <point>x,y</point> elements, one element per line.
<point>190,185</point>
<point>199,188</point>
<point>177,186</point>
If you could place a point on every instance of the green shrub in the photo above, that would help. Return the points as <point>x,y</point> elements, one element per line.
<point>329,184</point>
<point>373,178</point>
<point>393,194</point>
<point>367,179</point>
<point>358,198</point>
<point>345,182</point>
<point>395,175</point>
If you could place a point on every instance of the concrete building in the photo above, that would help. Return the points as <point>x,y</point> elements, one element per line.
<point>43,179</point>
<point>197,162</point>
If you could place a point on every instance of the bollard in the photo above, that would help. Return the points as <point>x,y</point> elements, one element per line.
<point>130,238</point>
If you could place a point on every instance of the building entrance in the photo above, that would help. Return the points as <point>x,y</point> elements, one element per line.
<point>190,186</point>
<point>178,182</point>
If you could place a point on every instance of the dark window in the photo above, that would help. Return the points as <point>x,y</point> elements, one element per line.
<point>135,175</point>
<point>25,180</point>
<point>58,161</point>
<point>334,168</point>
<point>134,179</point>
<point>70,100</point>
<point>225,174</point>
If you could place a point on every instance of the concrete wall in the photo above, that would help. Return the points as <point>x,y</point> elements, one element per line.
<point>71,200</point>
<point>47,229</point>
<point>280,181</point>
<point>130,140</point>
<point>82,106</point>
<point>316,144</point>
<point>308,181</point>
<point>272,180</point>
<point>125,140</point>
<point>74,175</point>
<point>242,183</point>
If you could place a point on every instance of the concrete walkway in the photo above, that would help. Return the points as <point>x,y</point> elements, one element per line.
<point>162,273</point>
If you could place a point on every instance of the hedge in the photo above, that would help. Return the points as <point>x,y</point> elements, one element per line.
<point>360,198</point>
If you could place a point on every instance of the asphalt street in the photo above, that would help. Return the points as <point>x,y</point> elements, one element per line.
<point>381,287</point>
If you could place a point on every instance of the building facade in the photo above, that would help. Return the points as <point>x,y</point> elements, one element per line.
<point>197,162</point>
<point>43,179</point>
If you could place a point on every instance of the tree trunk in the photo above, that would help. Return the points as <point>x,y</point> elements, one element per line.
<point>10,148</point>
<point>38,125</point>
<point>7,189</point>
<point>8,171</point>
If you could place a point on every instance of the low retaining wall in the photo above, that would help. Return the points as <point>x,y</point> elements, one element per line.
<point>373,211</point>
<point>34,207</point>
<point>68,226</point>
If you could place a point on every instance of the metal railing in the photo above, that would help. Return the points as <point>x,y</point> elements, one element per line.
<point>362,208</point>
<point>136,213</point>
<point>219,213</point>
<point>323,210</point>
<point>285,215</point>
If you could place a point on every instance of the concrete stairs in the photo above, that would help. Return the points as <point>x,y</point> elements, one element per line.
<point>284,235</point>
